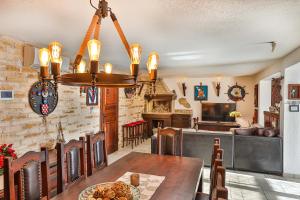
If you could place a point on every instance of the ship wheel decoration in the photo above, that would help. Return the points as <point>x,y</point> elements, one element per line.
<point>43,97</point>
<point>236,93</point>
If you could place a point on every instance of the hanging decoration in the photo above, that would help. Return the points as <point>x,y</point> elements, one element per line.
<point>43,97</point>
<point>236,93</point>
<point>92,77</point>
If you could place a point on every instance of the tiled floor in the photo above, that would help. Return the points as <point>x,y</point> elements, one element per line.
<point>241,185</point>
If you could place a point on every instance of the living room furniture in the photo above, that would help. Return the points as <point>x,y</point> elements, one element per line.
<point>96,152</point>
<point>258,154</point>
<point>27,177</point>
<point>272,120</point>
<point>216,126</point>
<point>168,141</point>
<point>176,120</point>
<point>200,144</point>
<point>182,172</point>
<point>264,153</point>
<point>71,166</point>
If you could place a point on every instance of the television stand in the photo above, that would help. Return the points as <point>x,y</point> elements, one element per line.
<point>216,126</point>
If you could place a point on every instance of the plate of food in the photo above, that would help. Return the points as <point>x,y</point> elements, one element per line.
<point>110,191</point>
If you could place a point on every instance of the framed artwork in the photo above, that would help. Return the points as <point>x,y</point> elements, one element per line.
<point>201,92</point>
<point>294,91</point>
<point>294,108</point>
<point>92,96</point>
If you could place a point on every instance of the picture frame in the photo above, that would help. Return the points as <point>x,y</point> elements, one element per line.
<point>294,91</point>
<point>92,96</point>
<point>201,92</point>
<point>294,108</point>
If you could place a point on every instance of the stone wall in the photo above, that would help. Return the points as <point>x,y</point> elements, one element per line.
<point>18,123</point>
<point>130,110</point>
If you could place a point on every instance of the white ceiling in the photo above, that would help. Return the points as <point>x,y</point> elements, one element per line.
<point>193,37</point>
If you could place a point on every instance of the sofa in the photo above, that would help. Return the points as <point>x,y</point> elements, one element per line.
<point>244,149</point>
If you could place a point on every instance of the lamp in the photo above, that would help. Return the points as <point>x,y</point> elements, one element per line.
<point>81,67</point>
<point>55,49</point>
<point>135,57</point>
<point>218,86</point>
<point>152,65</point>
<point>108,68</point>
<point>94,47</point>
<point>44,57</point>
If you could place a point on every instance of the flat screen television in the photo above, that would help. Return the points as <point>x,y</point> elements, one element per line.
<point>218,112</point>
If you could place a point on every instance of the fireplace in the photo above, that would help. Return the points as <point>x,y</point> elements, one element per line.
<point>159,103</point>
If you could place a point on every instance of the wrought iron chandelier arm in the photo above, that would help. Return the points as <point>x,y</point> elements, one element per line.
<point>120,32</point>
<point>85,41</point>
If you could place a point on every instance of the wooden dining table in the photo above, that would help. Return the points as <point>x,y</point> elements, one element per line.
<point>183,176</point>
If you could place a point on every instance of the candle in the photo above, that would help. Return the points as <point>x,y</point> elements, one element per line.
<point>135,179</point>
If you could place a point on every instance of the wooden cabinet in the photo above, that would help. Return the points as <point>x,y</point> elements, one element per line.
<point>167,120</point>
<point>217,126</point>
<point>181,120</point>
<point>272,120</point>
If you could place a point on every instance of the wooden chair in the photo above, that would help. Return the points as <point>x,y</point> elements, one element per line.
<point>96,152</point>
<point>219,190</point>
<point>27,177</point>
<point>70,163</point>
<point>163,137</point>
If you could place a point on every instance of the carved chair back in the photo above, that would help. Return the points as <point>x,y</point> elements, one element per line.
<point>70,163</point>
<point>27,176</point>
<point>170,141</point>
<point>96,152</point>
<point>219,190</point>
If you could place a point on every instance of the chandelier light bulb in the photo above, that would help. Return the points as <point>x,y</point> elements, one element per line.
<point>94,47</point>
<point>56,51</point>
<point>153,60</point>
<point>44,57</point>
<point>81,67</point>
<point>136,53</point>
<point>108,68</point>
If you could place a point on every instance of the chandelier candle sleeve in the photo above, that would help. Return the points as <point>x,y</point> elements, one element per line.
<point>108,68</point>
<point>44,57</point>
<point>94,47</point>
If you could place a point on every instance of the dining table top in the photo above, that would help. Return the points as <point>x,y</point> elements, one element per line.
<point>182,175</point>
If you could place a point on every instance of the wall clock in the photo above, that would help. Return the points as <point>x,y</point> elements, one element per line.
<point>43,98</point>
<point>236,93</point>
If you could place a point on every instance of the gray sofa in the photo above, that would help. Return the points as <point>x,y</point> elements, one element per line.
<point>250,153</point>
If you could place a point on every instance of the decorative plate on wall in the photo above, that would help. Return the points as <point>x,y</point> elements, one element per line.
<point>236,93</point>
<point>129,92</point>
<point>43,99</point>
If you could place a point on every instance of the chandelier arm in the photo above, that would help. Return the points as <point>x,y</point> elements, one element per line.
<point>93,5</point>
<point>85,41</point>
<point>120,32</point>
<point>97,30</point>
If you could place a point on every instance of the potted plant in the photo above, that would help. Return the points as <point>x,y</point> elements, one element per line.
<point>6,151</point>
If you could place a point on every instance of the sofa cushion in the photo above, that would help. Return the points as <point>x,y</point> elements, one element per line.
<point>271,133</point>
<point>260,132</point>
<point>246,131</point>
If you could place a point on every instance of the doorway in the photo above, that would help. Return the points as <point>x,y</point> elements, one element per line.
<point>109,108</point>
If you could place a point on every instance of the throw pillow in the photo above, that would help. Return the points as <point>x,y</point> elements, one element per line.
<point>271,133</point>
<point>246,131</point>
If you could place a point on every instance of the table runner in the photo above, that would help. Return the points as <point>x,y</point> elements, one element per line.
<point>148,183</point>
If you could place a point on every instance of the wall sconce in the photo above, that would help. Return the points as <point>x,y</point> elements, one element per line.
<point>183,89</point>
